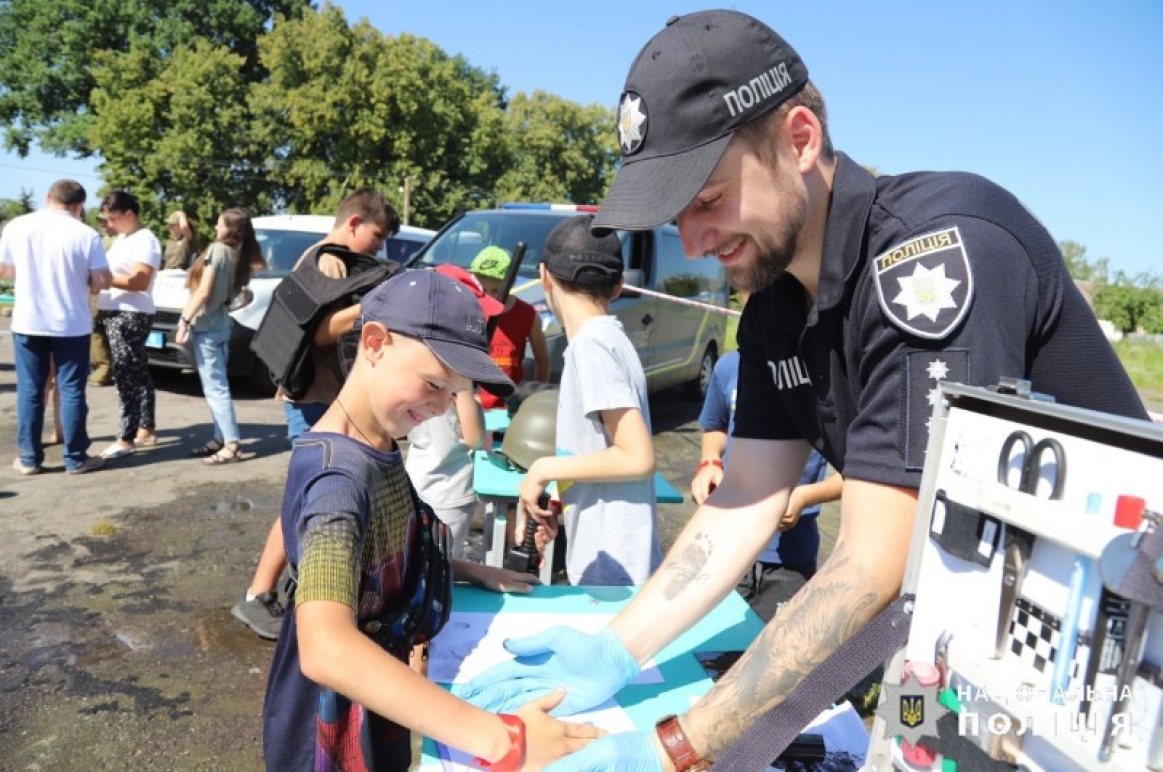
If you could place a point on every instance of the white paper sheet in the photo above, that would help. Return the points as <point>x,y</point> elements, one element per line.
<point>473,641</point>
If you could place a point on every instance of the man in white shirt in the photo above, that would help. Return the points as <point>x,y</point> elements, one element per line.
<point>56,261</point>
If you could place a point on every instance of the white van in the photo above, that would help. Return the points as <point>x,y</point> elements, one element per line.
<point>283,239</point>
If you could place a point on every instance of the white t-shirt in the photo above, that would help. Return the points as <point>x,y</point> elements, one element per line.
<point>138,247</point>
<point>51,253</point>
<point>439,463</point>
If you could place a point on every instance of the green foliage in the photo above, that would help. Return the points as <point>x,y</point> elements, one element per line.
<point>177,136</point>
<point>1143,361</point>
<point>346,106</point>
<point>1080,268</point>
<point>1130,307</point>
<point>559,151</point>
<point>14,207</point>
<point>47,48</point>
<point>1129,303</point>
<point>276,106</point>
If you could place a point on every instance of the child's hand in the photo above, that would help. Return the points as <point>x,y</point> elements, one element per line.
<point>546,738</point>
<point>504,580</point>
<point>795,506</point>
<point>529,493</point>
<point>705,481</point>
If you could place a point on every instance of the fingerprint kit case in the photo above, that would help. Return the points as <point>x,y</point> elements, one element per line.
<point>1036,561</point>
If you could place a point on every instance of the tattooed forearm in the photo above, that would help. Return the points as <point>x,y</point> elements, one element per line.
<point>688,567</point>
<point>827,611</point>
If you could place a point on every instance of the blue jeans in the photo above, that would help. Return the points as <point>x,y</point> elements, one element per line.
<point>211,350</point>
<point>34,354</point>
<point>301,416</point>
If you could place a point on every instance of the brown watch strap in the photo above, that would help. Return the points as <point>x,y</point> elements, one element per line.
<point>677,746</point>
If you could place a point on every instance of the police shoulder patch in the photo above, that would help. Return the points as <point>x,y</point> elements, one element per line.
<point>924,285</point>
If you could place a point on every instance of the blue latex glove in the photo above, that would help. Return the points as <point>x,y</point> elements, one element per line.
<point>592,668</point>
<point>625,752</point>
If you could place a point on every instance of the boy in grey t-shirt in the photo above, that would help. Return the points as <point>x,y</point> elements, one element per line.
<point>605,456</point>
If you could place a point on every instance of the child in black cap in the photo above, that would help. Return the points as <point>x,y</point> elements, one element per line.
<point>605,461</point>
<point>370,563</point>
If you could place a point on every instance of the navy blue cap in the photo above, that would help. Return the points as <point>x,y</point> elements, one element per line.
<point>443,313</point>
<point>692,86</point>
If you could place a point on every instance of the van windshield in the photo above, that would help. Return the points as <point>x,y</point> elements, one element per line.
<point>466,237</point>
<point>282,248</point>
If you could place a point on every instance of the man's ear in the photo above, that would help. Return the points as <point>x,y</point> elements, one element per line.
<point>806,136</point>
<point>353,222</point>
<point>618,290</point>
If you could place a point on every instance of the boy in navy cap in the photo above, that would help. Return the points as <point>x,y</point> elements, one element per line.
<point>866,293</point>
<point>605,460</point>
<point>340,694</point>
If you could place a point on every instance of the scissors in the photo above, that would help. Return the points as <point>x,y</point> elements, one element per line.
<point>1019,543</point>
<point>1029,463</point>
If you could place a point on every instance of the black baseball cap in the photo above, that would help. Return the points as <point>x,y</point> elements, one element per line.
<point>697,81</point>
<point>446,315</point>
<point>573,253</point>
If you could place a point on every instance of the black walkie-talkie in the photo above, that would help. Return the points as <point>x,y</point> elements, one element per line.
<point>524,557</point>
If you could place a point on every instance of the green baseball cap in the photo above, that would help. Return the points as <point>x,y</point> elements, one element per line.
<point>492,262</point>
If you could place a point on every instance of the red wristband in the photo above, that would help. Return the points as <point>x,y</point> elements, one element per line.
<point>708,462</point>
<point>515,757</point>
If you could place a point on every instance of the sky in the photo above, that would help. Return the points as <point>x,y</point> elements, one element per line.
<point>1060,101</point>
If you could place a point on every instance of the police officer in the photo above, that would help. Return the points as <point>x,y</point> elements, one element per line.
<point>867,292</point>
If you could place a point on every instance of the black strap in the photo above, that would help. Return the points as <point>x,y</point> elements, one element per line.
<point>768,737</point>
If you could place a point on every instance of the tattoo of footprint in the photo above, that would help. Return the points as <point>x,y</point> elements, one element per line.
<point>688,566</point>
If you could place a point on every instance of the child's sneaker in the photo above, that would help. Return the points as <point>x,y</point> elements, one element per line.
<point>263,614</point>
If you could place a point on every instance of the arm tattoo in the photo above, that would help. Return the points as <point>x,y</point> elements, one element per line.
<point>689,566</point>
<point>827,611</point>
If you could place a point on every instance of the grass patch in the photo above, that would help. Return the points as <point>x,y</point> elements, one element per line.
<point>105,528</point>
<point>1144,363</point>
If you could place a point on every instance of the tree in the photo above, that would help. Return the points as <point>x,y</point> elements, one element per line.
<point>178,135</point>
<point>1079,267</point>
<point>14,207</point>
<point>347,106</point>
<point>559,151</point>
<point>47,48</point>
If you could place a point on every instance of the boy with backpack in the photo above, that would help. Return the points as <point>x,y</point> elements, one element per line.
<point>363,221</point>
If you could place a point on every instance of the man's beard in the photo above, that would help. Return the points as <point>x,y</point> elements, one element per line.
<point>774,257</point>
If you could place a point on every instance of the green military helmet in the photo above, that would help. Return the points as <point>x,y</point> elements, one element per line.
<point>532,431</point>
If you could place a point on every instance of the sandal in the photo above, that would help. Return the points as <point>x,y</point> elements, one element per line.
<point>117,450</point>
<point>146,438</point>
<point>226,455</point>
<point>209,449</point>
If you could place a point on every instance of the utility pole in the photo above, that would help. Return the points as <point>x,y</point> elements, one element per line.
<point>407,190</point>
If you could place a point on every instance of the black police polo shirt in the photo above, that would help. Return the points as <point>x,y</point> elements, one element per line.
<point>925,277</point>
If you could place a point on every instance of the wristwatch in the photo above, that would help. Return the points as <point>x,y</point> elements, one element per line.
<point>678,747</point>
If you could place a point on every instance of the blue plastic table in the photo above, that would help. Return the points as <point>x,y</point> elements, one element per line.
<point>493,477</point>
<point>496,420</point>
<point>496,483</point>
<point>730,626</point>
